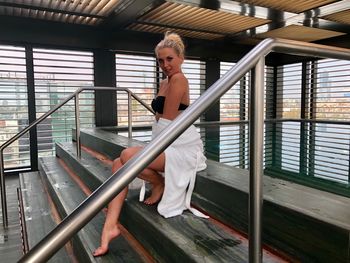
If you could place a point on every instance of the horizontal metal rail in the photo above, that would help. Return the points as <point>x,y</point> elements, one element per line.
<point>308,121</point>
<point>77,130</point>
<point>231,123</point>
<point>120,179</point>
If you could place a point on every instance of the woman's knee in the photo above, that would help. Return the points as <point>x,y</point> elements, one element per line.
<point>127,154</point>
<point>116,164</point>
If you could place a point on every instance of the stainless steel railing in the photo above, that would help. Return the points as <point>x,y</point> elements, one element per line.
<point>120,179</point>
<point>75,95</point>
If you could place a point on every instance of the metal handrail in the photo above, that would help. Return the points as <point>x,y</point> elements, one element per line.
<point>232,123</point>
<point>74,95</point>
<point>120,179</point>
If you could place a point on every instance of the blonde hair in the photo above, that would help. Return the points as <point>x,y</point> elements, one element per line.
<point>174,41</point>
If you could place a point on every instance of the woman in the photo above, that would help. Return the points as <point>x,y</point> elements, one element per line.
<point>179,162</point>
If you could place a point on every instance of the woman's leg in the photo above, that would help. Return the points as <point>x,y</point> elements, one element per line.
<point>157,182</point>
<point>110,228</point>
<point>150,174</point>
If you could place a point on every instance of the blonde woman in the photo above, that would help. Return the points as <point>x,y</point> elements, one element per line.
<point>172,173</point>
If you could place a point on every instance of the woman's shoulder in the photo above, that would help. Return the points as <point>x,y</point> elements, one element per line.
<point>179,78</point>
<point>178,75</point>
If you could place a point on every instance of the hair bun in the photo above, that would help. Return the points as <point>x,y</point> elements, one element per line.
<point>172,40</point>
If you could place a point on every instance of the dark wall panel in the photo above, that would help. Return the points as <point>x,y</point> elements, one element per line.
<point>105,101</point>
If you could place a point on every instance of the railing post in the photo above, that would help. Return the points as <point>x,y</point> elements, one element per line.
<point>129,115</point>
<point>256,141</point>
<point>24,225</point>
<point>75,95</point>
<point>3,190</point>
<point>77,124</point>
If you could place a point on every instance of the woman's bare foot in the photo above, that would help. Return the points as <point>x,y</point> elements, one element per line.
<point>157,192</point>
<point>107,235</point>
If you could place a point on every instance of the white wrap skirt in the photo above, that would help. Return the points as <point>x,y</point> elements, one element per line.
<point>183,159</point>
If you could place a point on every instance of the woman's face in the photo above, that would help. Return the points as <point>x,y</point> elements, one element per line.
<point>169,61</point>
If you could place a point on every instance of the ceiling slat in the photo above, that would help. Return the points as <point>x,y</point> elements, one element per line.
<point>182,32</point>
<point>340,17</point>
<point>301,33</point>
<point>295,6</point>
<point>197,18</point>
<point>78,11</point>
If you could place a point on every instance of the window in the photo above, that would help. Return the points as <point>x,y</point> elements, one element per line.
<point>139,74</point>
<point>332,90</point>
<point>57,74</point>
<point>289,80</point>
<point>289,91</point>
<point>13,105</point>
<point>234,107</point>
<point>330,141</point>
<point>194,70</point>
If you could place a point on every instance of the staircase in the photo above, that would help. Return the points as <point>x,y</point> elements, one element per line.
<point>300,224</point>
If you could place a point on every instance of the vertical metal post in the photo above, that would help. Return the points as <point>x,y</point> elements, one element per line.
<point>275,128</point>
<point>256,162</point>
<point>77,124</point>
<point>24,224</point>
<point>33,134</point>
<point>3,190</point>
<point>303,148</point>
<point>129,115</point>
<point>242,127</point>
<point>314,67</point>
<point>211,133</point>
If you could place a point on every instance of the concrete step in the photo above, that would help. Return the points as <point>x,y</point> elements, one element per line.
<point>106,141</point>
<point>293,214</point>
<point>39,216</point>
<point>310,224</point>
<point>184,238</point>
<point>67,196</point>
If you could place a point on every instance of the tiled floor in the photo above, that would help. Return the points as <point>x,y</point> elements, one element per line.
<point>10,239</point>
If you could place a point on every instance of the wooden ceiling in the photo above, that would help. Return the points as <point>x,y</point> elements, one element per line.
<point>241,21</point>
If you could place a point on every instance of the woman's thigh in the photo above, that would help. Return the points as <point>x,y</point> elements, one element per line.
<point>158,164</point>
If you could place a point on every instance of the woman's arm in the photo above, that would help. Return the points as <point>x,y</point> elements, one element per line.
<point>177,89</point>
<point>161,87</point>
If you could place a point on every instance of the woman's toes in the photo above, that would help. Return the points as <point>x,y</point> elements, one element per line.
<point>157,192</point>
<point>148,201</point>
<point>100,252</point>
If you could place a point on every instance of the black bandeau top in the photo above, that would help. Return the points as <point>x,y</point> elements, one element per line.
<point>158,104</point>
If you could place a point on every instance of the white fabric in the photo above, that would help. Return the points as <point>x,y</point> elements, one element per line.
<point>183,159</point>
<point>137,183</point>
